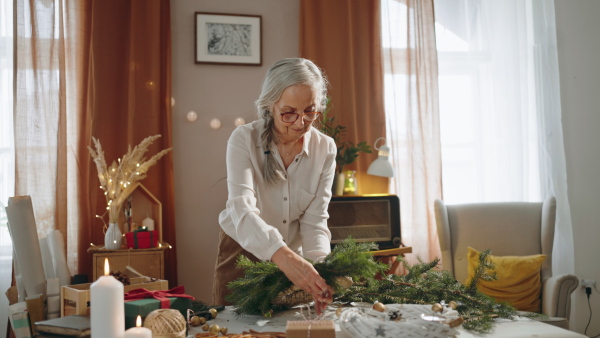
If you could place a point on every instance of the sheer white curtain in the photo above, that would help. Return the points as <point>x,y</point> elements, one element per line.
<point>412,119</point>
<point>7,163</point>
<point>500,107</point>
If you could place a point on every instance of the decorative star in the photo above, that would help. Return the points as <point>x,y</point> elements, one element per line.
<point>379,331</point>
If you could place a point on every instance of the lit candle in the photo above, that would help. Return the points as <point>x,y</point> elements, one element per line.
<point>138,331</point>
<point>107,306</point>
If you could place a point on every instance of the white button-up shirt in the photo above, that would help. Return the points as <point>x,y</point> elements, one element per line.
<point>264,217</point>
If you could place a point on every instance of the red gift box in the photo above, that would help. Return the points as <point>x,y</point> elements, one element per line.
<point>141,239</point>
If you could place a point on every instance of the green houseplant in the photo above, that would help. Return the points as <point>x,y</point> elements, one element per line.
<point>347,151</point>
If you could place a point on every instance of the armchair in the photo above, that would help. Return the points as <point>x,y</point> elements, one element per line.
<point>507,229</point>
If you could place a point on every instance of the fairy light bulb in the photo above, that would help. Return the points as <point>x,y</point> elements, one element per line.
<point>192,116</point>
<point>239,121</point>
<point>215,123</point>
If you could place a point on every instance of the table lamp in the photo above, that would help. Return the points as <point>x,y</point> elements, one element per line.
<point>381,166</point>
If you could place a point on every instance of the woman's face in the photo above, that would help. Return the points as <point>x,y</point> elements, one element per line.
<point>295,99</point>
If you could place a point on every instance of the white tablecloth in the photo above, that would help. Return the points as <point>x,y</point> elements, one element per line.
<point>521,327</point>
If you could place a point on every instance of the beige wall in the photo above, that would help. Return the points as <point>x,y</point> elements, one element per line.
<point>577,28</point>
<point>214,91</point>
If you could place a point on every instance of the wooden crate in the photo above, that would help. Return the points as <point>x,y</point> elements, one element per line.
<point>149,262</point>
<point>75,299</point>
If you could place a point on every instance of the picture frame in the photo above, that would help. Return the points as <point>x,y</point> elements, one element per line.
<point>232,39</point>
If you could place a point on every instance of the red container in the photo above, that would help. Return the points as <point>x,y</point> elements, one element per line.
<point>141,239</point>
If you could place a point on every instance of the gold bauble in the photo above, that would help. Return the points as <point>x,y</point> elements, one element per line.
<point>379,307</point>
<point>437,307</point>
<point>205,327</point>
<point>456,322</point>
<point>453,305</point>
<point>338,312</point>
<point>223,330</point>
<point>213,312</point>
<point>195,321</point>
<point>214,329</point>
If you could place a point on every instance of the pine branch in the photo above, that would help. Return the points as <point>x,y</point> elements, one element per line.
<point>424,284</point>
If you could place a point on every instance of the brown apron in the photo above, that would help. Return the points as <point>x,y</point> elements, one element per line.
<point>225,269</point>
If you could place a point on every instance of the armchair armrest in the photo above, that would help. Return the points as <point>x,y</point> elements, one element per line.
<point>556,295</point>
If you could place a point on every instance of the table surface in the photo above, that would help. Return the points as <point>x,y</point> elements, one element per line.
<point>521,327</point>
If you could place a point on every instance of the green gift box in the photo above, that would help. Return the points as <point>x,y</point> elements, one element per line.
<point>143,307</point>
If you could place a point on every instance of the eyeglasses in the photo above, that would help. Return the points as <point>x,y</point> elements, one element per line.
<point>293,117</point>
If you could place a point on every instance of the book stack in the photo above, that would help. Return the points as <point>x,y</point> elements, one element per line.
<point>68,326</point>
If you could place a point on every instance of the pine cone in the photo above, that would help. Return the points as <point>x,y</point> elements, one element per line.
<point>121,277</point>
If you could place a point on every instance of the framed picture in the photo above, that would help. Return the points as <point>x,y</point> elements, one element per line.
<point>233,39</point>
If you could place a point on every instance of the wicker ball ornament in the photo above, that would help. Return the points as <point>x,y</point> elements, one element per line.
<point>166,323</point>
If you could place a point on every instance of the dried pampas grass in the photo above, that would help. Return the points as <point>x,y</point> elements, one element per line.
<point>116,180</point>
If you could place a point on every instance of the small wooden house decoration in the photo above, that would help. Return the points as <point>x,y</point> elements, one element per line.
<point>143,204</point>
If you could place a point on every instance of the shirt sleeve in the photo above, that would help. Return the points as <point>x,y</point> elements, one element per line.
<point>316,236</point>
<point>241,218</point>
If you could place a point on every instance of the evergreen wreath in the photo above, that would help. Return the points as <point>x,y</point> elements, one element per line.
<point>263,282</point>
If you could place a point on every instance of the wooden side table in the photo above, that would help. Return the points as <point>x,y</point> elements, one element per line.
<point>148,262</point>
<point>389,257</point>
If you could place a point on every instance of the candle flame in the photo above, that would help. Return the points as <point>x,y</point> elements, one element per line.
<point>138,321</point>
<point>106,268</point>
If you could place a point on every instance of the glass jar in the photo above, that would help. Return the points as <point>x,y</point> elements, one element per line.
<point>350,183</point>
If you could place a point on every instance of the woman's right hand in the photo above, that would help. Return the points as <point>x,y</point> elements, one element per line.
<point>300,272</point>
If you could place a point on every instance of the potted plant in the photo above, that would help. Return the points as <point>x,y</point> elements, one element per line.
<point>347,151</point>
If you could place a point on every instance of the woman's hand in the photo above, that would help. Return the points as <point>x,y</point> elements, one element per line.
<point>300,272</point>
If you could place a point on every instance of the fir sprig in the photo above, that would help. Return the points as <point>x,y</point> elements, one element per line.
<point>263,281</point>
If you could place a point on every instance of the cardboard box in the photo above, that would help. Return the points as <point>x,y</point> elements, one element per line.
<point>75,299</point>
<point>310,328</point>
<point>142,239</point>
<point>143,307</point>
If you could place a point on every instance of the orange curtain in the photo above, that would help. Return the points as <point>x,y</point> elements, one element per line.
<point>83,69</point>
<point>129,99</point>
<point>343,38</point>
<point>50,60</point>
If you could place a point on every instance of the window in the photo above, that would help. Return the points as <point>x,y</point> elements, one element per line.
<point>7,163</point>
<point>487,101</point>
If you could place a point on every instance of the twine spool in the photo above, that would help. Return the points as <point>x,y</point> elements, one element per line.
<point>166,323</point>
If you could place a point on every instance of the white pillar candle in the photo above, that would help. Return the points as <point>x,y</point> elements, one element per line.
<point>148,223</point>
<point>138,331</point>
<point>107,306</point>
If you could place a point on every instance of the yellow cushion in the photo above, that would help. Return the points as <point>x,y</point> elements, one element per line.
<point>518,284</point>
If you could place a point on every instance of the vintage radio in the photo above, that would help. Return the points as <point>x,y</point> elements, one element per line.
<point>368,218</point>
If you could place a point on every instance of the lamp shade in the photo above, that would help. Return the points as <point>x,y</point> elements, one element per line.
<point>381,166</point>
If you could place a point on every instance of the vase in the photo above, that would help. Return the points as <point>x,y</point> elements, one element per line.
<point>350,183</point>
<point>113,237</point>
<point>338,184</point>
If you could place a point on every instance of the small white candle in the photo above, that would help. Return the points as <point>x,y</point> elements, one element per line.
<point>107,303</point>
<point>148,223</point>
<point>138,331</point>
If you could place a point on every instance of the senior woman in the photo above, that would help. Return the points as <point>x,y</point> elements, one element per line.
<point>279,175</point>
